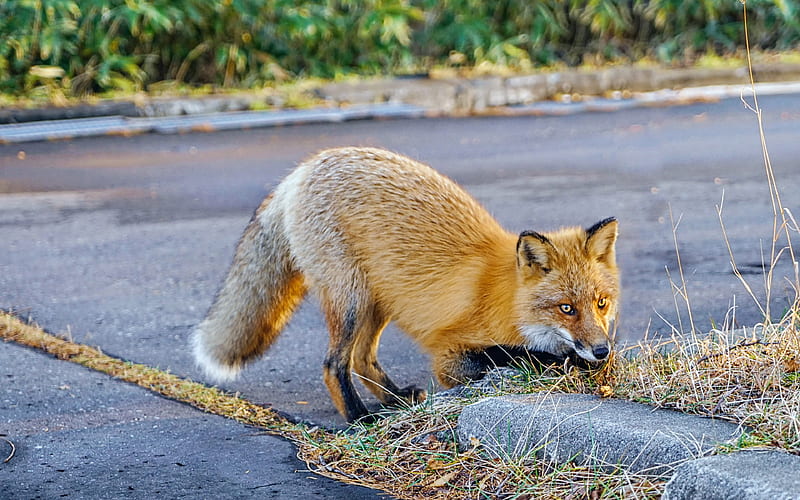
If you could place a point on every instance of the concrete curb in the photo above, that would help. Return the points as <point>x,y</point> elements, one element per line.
<point>566,92</point>
<point>590,430</point>
<point>120,125</point>
<point>479,95</point>
<point>613,433</point>
<point>747,475</point>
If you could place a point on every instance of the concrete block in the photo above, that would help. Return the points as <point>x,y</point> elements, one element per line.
<point>745,475</point>
<point>195,106</point>
<point>434,95</point>
<point>587,429</point>
<point>484,93</point>
<point>526,89</point>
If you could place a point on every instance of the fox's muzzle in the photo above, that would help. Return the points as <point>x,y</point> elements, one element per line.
<point>597,352</point>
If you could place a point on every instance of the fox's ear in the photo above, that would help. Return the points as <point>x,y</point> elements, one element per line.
<point>533,251</point>
<point>601,239</point>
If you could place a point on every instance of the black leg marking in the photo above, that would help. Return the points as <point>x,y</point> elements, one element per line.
<point>339,364</point>
<point>349,324</point>
<point>352,402</point>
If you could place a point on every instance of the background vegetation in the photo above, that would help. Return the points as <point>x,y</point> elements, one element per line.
<point>98,45</point>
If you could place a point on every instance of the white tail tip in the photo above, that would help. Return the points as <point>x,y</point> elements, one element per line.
<point>212,368</point>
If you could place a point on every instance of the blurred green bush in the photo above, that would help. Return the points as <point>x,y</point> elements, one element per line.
<point>98,45</point>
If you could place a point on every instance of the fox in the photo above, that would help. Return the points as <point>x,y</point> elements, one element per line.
<point>380,237</point>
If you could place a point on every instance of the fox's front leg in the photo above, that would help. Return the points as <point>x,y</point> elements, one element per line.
<point>369,370</point>
<point>461,366</point>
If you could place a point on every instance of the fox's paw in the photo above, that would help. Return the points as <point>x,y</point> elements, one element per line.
<point>411,395</point>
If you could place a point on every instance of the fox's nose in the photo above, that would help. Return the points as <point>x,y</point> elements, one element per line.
<point>600,352</point>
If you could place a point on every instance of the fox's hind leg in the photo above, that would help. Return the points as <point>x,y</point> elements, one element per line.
<point>370,371</point>
<point>344,318</point>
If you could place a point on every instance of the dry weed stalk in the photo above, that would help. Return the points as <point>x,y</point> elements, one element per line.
<point>783,223</point>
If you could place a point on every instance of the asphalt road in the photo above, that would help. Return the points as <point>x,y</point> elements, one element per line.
<point>121,242</point>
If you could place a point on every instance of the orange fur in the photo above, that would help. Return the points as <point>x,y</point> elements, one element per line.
<point>381,237</point>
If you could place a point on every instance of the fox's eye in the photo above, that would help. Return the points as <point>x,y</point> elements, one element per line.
<point>602,303</point>
<point>567,309</point>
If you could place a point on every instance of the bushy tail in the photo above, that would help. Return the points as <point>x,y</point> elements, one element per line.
<point>256,300</point>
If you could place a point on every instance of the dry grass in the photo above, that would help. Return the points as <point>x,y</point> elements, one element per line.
<point>748,377</point>
<point>410,454</point>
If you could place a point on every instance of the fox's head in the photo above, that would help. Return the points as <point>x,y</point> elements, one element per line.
<point>569,288</point>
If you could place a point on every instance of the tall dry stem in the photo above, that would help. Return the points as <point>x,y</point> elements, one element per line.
<point>782,222</point>
<point>679,290</point>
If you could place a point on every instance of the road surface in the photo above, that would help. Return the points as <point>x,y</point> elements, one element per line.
<point>121,242</point>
